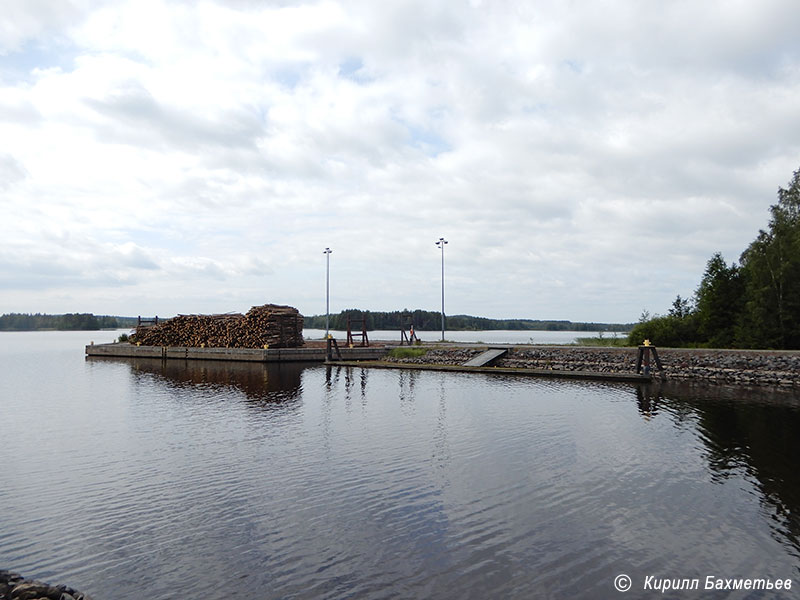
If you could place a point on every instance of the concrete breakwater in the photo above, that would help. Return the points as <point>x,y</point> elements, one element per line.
<point>310,353</point>
<point>743,367</point>
<point>15,587</point>
<point>746,367</point>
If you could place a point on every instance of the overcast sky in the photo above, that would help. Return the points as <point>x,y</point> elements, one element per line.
<point>583,159</point>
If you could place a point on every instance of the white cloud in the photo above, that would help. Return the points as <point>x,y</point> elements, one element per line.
<point>583,160</point>
<point>11,171</point>
<point>38,21</point>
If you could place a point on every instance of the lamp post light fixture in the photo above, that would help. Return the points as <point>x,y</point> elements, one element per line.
<point>441,244</point>
<point>327,253</point>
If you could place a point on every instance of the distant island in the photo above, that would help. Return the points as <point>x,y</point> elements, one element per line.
<point>425,320</point>
<point>66,322</point>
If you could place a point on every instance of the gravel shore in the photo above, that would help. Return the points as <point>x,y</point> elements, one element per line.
<point>747,367</point>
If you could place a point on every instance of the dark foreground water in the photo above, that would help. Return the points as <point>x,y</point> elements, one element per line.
<point>135,480</point>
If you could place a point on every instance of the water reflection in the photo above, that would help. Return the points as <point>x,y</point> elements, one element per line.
<point>441,445</point>
<point>263,382</point>
<point>406,382</point>
<point>351,376</point>
<point>648,401</point>
<point>749,433</point>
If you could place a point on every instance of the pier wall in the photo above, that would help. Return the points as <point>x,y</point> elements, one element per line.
<point>122,350</point>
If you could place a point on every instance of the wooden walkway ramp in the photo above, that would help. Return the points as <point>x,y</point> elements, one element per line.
<point>486,358</point>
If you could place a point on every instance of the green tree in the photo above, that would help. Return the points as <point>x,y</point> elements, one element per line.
<point>719,302</point>
<point>425,320</point>
<point>78,321</point>
<point>681,307</point>
<point>70,321</point>
<point>669,330</point>
<point>771,268</point>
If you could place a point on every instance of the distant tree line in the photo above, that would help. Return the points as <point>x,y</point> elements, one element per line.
<point>755,304</point>
<point>67,322</point>
<point>425,320</point>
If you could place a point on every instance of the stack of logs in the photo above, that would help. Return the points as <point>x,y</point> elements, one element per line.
<point>269,325</point>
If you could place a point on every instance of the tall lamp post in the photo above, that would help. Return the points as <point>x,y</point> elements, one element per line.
<point>327,253</point>
<point>441,244</point>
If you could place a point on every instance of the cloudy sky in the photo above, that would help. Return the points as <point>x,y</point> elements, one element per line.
<point>583,159</point>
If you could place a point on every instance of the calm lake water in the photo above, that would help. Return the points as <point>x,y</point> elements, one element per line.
<point>143,479</point>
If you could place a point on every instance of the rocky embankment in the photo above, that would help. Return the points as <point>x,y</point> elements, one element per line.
<point>14,586</point>
<point>747,367</point>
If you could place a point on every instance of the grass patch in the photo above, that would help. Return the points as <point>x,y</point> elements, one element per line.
<point>407,352</point>
<point>602,341</point>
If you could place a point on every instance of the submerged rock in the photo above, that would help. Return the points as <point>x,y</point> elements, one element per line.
<point>14,586</point>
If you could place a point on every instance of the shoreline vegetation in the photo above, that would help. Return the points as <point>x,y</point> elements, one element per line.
<point>427,320</point>
<point>65,322</point>
<point>423,320</point>
<point>753,304</point>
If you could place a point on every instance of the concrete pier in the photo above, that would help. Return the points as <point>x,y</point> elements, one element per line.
<point>123,350</point>
<point>616,377</point>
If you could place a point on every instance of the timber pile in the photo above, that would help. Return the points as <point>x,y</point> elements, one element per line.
<point>270,324</point>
